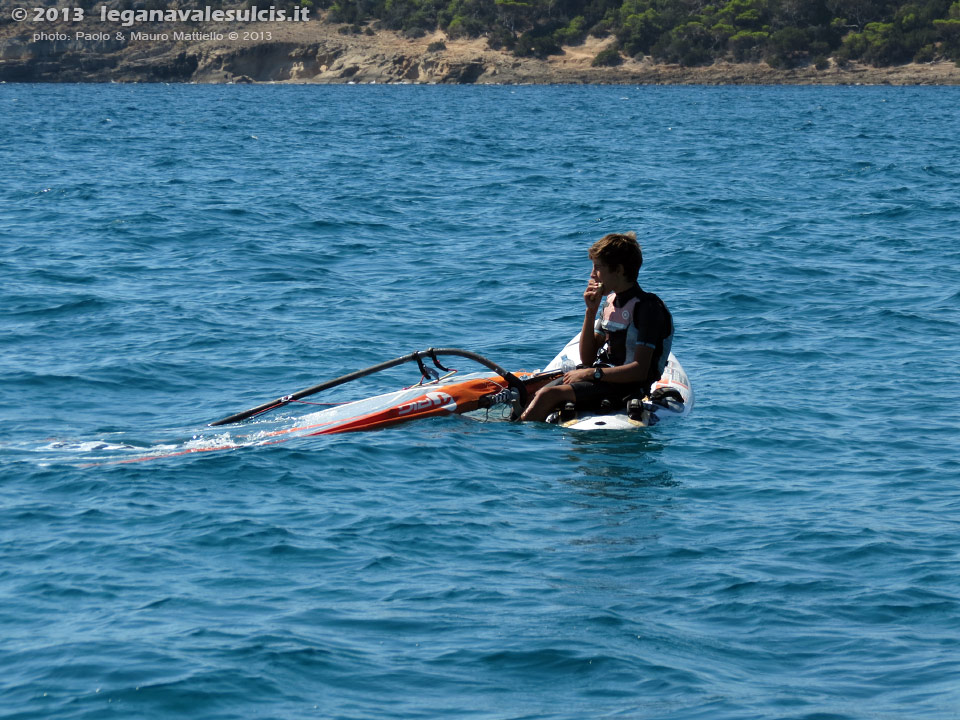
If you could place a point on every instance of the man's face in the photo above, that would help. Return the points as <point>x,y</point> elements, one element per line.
<point>606,276</point>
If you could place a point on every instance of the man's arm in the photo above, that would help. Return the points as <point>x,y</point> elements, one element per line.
<point>632,372</point>
<point>590,340</point>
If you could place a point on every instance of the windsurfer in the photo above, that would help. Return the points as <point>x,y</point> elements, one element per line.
<point>624,350</point>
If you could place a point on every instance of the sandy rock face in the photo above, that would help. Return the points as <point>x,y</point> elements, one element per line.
<point>315,52</point>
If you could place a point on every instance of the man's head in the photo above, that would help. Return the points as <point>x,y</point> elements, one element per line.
<point>619,252</point>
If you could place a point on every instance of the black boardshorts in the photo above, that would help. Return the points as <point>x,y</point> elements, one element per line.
<point>590,395</point>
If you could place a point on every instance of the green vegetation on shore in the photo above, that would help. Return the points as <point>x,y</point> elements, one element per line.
<point>784,33</point>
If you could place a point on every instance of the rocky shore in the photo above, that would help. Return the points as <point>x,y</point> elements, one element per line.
<point>319,52</point>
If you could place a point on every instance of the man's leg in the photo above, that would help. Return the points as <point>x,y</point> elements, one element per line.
<point>547,400</point>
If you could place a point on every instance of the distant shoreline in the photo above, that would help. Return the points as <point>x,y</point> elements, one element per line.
<point>319,53</point>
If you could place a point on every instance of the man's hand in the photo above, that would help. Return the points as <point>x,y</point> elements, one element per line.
<point>593,295</point>
<point>581,375</point>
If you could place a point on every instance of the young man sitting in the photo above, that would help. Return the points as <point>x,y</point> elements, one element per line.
<point>624,350</point>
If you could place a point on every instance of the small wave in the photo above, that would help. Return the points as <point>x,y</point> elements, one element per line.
<point>897,211</point>
<point>73,307</point>
<point>86,446</point>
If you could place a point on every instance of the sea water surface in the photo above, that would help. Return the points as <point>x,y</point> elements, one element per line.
<point>172,254</point>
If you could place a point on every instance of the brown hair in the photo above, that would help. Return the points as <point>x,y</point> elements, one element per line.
<point>619,249</point>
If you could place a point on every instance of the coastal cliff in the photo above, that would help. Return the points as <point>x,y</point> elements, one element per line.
<point>320,52</point>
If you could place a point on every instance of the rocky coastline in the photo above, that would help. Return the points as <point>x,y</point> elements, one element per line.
<point>320,52</point>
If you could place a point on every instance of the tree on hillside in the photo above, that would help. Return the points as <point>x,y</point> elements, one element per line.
<point>785,33</point>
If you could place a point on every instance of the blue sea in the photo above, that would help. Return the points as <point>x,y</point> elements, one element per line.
<point>173,254</point>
